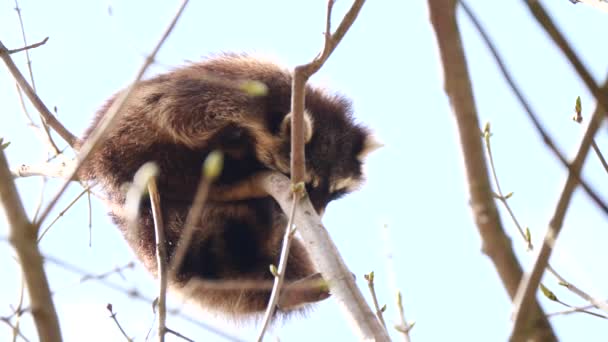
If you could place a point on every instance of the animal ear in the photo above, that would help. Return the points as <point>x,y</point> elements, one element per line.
<point>370,144</point>
<point>308,126</point>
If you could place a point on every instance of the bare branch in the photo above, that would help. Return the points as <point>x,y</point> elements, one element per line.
<point>61,213</point>
<point>113,316</point>
<point>457,84</point>
<point>280,276</point>
<point>111,116</point>
<point>15,329</point>
<point>194,216</point>
<point>530,112</point>
<point>28,47</point>
<point>175,333</point>
<point>326,257</point>
<point>370,284</point>
<point>48,118</point>
<point>301,75</point>
<point>23,238</point>
<point>52,170</point>
<point>134,293</point>
<point>327,260</point>
<point>529,284</point>
<point>525,235</point>
<point>161,257</point>
<point>392,280</point>
<point>599,154</point>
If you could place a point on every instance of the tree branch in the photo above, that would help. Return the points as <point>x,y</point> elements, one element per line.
<point>326,257</point>
<point>111,116</point>
<point>496,244</point>
<point>48,118</point>
<point>528,286</point>
<point>280,276</point>
<point>161,257</point>
<point>23,238</point>
<point>301,75</point>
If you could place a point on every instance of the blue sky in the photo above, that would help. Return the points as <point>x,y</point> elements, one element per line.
<point>388,65</point>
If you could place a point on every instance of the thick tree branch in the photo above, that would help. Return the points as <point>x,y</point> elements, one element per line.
<point>496,244</point>
<point>23,238</point>
<point>326,257</point>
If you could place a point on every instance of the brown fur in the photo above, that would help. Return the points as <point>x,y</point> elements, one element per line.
<point>175,120</point>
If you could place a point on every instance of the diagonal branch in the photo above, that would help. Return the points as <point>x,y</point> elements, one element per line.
<point>23,238</point>
<point>324,253</point>
<point>111,116</point>
<point>545,21</point>
<point>529,284</point>
<point>496,244</point>
<point>325,256</point>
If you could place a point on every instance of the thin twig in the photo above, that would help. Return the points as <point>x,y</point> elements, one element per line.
<point>326,257</point>
<point>503,199</point>
<point>134,293</point>
<point>392,281</point>
<point>161,257</point>
<point>581,309</point>
<point>280,276</point>
<point>528,109</point>
<point>45,132</point>
<point>496,244</point>
<point>111,116</point>
<point>15,329</point>
<point>173,332</point>
<point>31,46</point>
<point>529,284</point>
<point>61,213</point>
<point>192,220</point>
<point>545,21</point>
<point>48,117</point>
<point>27,53</point>
<point>370,284</point>
<point>23,238</point>
<point>113,316</point>
<point>19,310</point>
<point>599,154</point>
<point>501,196</point>
<point>599,304</point>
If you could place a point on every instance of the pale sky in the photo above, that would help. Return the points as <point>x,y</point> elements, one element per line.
<point>388,65</point>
